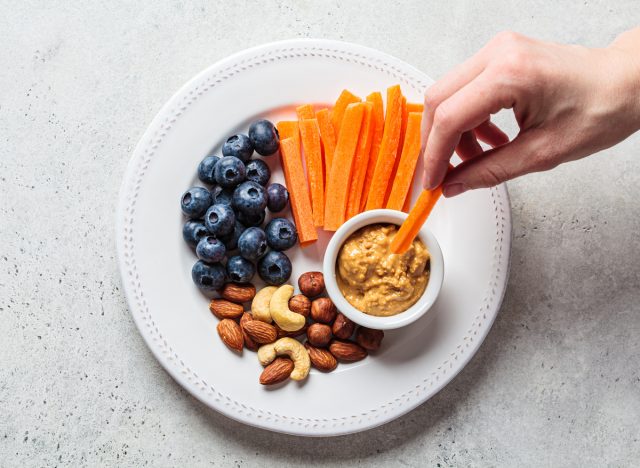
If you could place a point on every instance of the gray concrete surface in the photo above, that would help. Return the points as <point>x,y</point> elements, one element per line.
<point>557,382</point>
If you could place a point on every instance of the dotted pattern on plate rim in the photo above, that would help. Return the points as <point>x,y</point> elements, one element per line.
<point>140,306</point>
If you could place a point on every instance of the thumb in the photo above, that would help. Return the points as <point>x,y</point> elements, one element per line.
<point>495,166</point>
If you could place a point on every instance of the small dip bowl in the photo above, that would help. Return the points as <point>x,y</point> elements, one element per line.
<point>401,319</point>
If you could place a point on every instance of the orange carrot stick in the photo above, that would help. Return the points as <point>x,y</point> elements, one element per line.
<point>328,137</point>
<point>415,107</point>
<point>378,120</point>
<point>407,200</point>
<point>305,112</point>
<point>388,149</point>
<point>289,129</point>
<point>338,187</point>
<point>407,163</point>
<point>360,162</point>
<point>291,161</point>
<point>403,130</point>
<point>346,97</point>
<point>313,158</point>
<point>417,216</point>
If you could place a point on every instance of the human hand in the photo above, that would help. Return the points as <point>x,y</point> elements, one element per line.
<point>569,102</point>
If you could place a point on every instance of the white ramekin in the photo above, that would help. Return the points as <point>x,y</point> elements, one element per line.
<point>395,321</point>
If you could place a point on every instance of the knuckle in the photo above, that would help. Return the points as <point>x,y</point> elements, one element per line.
<point>507,38</point>
<point>432,98</point>
<point>443,118</point>
<point>494,174</point>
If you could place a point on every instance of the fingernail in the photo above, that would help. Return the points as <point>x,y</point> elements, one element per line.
<point>452,190</point>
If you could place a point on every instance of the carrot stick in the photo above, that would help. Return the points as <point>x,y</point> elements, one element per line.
<point>360,162</point>
<point>328,137</point>
<point>403,130</point>
<point>378,120</point>
<point>305,112</point>
<point>289,129</point>
<point>313,158</point>
<point>417,216</point>
<point>338,187</point>
<point>407,201</point>
<point>407,163</point>
<point>388,149</point>
<point>291,161</point>
<point>346,97</point>
<point>415,107</point>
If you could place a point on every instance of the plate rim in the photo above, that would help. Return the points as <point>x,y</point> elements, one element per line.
<point>124,235</point>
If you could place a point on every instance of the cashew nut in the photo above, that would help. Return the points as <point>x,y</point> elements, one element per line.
<point>260,304</point>
<point>280,313</point>
<point>289,347</point>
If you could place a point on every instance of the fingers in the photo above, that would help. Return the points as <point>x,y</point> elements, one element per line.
<point>495,166</point>
<point>448,85</point>
<point>466,109</point>
<point>491,134</point>
<point>468,146</point>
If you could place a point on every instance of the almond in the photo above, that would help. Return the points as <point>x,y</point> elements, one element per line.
<point>321,359</point>
<point>319,334</point>
<point>323,310</point>
<point>238,293</point>
<point>342,327</point>
<point>300,304</point>
<point>347,350</point>
<point>248,342</point>
<point>230,334</point>
<point>282,333</point>
<point>278,371</point>
<point>260,332</point>
<point>369,338</point>
<point>223,309</point>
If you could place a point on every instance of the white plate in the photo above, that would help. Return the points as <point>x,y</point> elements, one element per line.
<point>173,317</point>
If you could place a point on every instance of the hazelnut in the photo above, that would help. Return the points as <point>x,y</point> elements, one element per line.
<point>369,338</point>
<point>311,284</point>
<point>300,304</point>
<point>319,334</point>
<point>343,327</point>
<point>323,310</point>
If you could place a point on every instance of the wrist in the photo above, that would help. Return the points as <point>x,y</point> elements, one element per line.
<point>626,51</point>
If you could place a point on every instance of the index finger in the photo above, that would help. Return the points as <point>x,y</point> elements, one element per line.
<point>463,111</point>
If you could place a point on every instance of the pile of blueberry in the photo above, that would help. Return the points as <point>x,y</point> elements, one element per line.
<point>224,222</point>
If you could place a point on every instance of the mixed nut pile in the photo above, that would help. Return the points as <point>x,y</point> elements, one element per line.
<point>279,319</point>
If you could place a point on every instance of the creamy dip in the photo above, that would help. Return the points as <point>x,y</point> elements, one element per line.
<point>374,280</point>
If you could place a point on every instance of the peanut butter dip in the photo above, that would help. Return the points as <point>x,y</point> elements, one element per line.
<point>374,280</point>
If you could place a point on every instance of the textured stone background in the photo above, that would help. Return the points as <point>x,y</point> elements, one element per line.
<point>556,382</point>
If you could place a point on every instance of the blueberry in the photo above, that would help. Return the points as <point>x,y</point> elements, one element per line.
<point>195,202</point>
<point>229,171</point>
<point>222,196</point>
<point>281,234</point>
<point>239,146</point>
<point>193,231</point>
<point>231,240</point>
<point>252,243</point>
<point>251,220</point>
<point>210,249</point>
<point>258,171</point>
<point>250,198</point>
<point>277,197</point>
<point>206,169</point>
<point>220,220</point>
<point>264,137</point>
<point>274,268</point>
<point>240,270</point>
<point>208,276</point>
